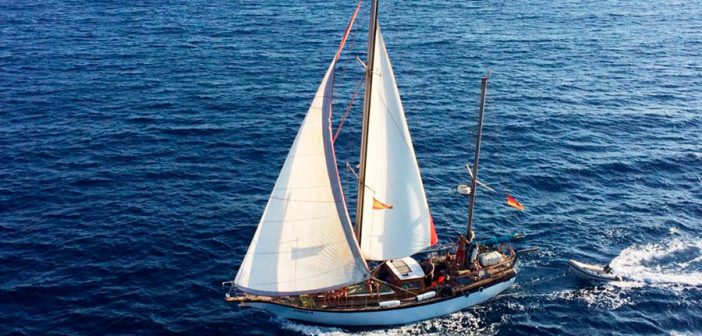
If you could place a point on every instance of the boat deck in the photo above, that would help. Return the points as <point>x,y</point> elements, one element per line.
<point>380,295</point>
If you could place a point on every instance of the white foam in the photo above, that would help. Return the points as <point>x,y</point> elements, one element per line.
<point>306,329</point>
<point>681,333</point>
<point>674,263</point>
<point>459,323</point>
<point>605,297</point>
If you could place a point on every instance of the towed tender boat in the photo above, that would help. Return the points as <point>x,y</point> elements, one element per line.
<point>306,260</point>
<point>592,272</point>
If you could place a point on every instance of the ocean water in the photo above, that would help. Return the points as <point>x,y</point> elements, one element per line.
<point>139,142</point>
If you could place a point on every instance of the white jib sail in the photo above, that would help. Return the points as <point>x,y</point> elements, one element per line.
<point>392,174</point>
<point>304,242</point>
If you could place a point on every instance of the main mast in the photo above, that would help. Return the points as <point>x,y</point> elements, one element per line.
<point>372,28</point>
<point>473,182</point>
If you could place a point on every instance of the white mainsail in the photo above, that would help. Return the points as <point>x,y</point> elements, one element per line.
<point>396,221</point>
<point>304,242</point>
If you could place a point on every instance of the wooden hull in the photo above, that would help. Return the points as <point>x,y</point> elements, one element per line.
<point>387,316</point>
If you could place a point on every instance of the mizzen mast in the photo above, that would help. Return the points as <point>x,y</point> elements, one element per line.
<point>373,27</point>
<point>473,182</point>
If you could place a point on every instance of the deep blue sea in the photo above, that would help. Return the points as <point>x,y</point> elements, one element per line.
<point>139,142</point>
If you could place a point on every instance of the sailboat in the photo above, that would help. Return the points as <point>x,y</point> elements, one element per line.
<point>308,262</point>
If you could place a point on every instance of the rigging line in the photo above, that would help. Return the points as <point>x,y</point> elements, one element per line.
<point>346,111</point>
<point>347,31</point>
<point>349,27</point>
<point>348,166</point>
<point>353,42</point>
<point>352,29</point>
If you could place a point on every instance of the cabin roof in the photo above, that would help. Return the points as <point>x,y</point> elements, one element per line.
<point>406,268</point>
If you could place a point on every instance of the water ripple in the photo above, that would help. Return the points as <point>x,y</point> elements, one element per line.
<point>139,144</point>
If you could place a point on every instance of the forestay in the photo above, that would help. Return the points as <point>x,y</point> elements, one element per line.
<point>304,242</point>
<point>399,224</point>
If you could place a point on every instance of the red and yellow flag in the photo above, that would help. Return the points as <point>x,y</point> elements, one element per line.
<point>378,205</point>
<point>514,203</point>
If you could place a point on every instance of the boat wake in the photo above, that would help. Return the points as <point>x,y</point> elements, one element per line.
<point>308,329</point>
<point>675,264</point>
<point>603,297</point>
<point>459,323</point>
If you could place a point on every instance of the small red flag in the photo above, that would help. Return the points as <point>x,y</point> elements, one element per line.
<point>434,238</point>
<point>514,203</point>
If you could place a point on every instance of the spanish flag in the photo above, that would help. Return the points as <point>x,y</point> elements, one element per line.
<point>378,205</point>
<point>514,203</point>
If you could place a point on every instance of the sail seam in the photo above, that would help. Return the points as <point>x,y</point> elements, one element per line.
<point>301,200</point>
<point>303,187</point>
<point>299,220</point>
